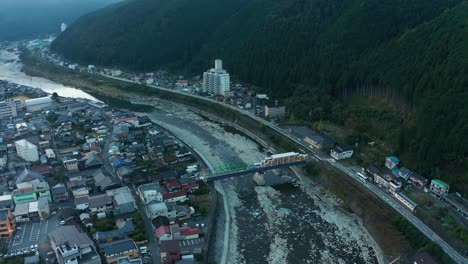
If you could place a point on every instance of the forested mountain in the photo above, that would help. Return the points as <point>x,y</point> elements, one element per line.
<point>21,19</point>
<point>317,55</point>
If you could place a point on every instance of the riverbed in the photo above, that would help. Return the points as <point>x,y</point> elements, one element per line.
<point>285,224</point>
<point>10,70</point>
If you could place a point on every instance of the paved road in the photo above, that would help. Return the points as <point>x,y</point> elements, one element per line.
<point>322,157</point>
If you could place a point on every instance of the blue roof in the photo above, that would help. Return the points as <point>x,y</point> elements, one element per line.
<point>394,159</point>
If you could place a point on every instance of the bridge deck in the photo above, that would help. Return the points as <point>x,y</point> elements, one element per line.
<point>251,170</point>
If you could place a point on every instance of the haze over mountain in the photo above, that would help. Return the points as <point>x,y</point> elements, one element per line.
<point>396,71</point>
<point>20,19</point>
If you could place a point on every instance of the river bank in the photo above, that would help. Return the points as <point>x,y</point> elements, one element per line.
<point>380,227</point>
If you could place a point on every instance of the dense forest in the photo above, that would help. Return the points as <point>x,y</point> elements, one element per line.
<point>395,70</point>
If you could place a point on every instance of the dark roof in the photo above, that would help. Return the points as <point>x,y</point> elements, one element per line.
<point>118,247</point>
<point>4,214</point>
<point>343,148</point>
<point>417,176</point>
<point>28,175</point>
<point>93,160</point>
<point>105,235</point>
<point>160,221</point>
<point>373,169</point>
<point>58,189</point>
<point>170,246</point>
<point>99,200</point>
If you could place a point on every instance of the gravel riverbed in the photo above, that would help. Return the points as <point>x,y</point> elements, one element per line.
<point>283,224</point>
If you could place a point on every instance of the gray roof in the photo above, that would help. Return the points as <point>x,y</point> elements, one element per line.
<point>70,234</point>
<point>105,235</point>
<point>118,247</point>
<point>99,200</point>
<point>31,259</point>
<point>58,189</point>
<point>121,195</point>
<point>102,181</point>
<point>4,214</point>
<point>93,160</point>
<point>28,175</point>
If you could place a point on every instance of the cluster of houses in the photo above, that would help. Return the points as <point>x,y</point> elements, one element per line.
<point>393,177</point>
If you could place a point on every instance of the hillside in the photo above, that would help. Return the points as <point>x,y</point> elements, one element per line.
<point>395,71</point>
<point>22,19</point>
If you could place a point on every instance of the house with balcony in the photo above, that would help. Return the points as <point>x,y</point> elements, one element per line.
<point>439,188</point>
<point>72,246</point>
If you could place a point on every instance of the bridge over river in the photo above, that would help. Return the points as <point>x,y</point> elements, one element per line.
<point>277,161</point>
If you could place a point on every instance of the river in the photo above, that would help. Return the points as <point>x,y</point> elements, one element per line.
<point>286,224</point>
<point>10,70</point>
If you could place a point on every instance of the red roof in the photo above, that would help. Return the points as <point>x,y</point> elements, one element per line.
<point>162,230</point>
<point>188,231</point>
<point>190,185</point>
<point>42,169</point>
<point>170,195</point>
<point>172,184</point>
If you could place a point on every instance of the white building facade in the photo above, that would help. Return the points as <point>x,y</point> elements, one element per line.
<point>27,150</point>
<point>216,80</point>
<point>33,105</point>
<point>8,109</point>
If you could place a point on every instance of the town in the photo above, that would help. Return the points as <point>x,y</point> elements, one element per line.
<point>90,184</point>
<point>82,183</point>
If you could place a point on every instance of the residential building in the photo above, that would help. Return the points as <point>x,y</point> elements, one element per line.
<point>37,104</point>
<point>27,150</point>
<point>21,212</point>
<point>341,152</point>
<point>59,193</point>
<point>170,251</point>
<point>100,203</point>
<point>8,109</point>
<point>30,191</point>
<point>405,200</point>
<point>123,200</point>
<point>404,173</point>
<point>320,141</point>
<point>43,208</point>
<point>391,162</point>
<point>7,223</point>
<point>120,248</point>
<point>178,196</point>
<point>150,192</point>
<point>6,201</point>
<point>71,164</point>
<point>418,180</point>
<point>216,80</point>
<point>163,233</point>
<point>72,246</point>
<point>155,209</point>
<point>439,188</point>
<point>275,111</point>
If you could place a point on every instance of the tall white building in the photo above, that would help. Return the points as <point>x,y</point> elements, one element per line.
<point>8,109</point>
<point>63,27</point>
<point>27,150</point>
<point>216,80</point>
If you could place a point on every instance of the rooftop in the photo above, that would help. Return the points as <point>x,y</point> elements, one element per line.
<point>440,183</point>
<point>118,247</point>
<point>38,101</point>
<point>70,234</point>
<point>4,214</point>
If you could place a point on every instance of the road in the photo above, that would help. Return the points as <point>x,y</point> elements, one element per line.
<point>322,157</point>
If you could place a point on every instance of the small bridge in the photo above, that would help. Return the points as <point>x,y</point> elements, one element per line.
<point>278,161</point>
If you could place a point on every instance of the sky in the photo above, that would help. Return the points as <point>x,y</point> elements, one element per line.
<point>23,19</point>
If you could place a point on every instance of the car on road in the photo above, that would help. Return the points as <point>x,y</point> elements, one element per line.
<point>62,222</point>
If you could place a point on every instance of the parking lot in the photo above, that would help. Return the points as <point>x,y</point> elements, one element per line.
<point>31,236</point>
